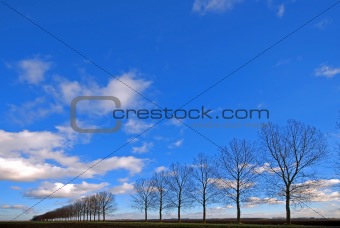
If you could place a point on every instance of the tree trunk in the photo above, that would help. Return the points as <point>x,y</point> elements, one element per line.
<point>204,206</point>
<point>160,207</point>
<point>288,206</point>
<point>146,214</point>
<point>204,220</point>
<point>238,211</point>
<point>179,213</point>
<point>160,213</point>
<point>104,214</point>
<point>238,207</point>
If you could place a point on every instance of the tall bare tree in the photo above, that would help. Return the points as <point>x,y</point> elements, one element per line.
<point>237,171</point>
<point>180,187</point>
<point>160,184</point>
<point>292,151</point>
<point>204,188</point>
<point>107,203</point>
<point>144,196</point>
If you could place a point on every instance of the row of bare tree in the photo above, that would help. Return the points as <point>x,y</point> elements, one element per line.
<point>281,166</point>
<point>284,159</point>
<point>88,208</point>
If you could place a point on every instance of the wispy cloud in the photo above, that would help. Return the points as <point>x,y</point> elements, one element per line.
<point>323,24</point>
<point>64,91</point>
<point>213,6</point>
<point>33,70</point>
<point>282,62</point>
<point>252,201</point>
<point>32,111</point>
<point>134,126</point>
<point>280,10</point>
<point>144,148</point>
<point>160,169</point>
<point>15,188</point>
<point>327,71</point>
<point>176,144</point>
<point>17,207</point>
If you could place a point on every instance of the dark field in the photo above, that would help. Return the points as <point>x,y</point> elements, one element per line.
<point>267,223</point>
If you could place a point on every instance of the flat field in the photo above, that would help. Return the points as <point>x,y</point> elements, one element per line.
<point>214,223</point>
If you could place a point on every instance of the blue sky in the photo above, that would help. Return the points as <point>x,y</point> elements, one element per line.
<point>170,51</point>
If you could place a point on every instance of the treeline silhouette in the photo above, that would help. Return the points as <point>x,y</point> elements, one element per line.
<point>89,208</point>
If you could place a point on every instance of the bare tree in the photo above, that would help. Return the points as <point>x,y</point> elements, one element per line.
<point>180,187</point>
<point>204,189</point>
<point>292,151</point>
<point>77,206</point>
<point>83,207</point>
<point>237,171</point>
<point>87,207</point>
<point>144,196</point>
<point>160,184</point>
<point>107,203</point>
<point>94,206</point>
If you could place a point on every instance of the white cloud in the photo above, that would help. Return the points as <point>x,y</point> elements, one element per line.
<point>122,180</point>
<point>59,190</point>
<point>204,6</point>
<point>160,169</point>
<point>327,71</point>
<point>251,201</point>
<point>321,190</point>
<point>327,183</point>
<point>29,156</point>
<point>280,10</point>
<point>176,144</point>
<point>226,184</point>
<point>136,126</point>
<point>133,140</point>
<point>143,148</point>
<point>21,169</point>
<point>125,188</point>
<point>266,168</point>
<point>129,163</point>
<point>33,71</point>
<point>14,143</point>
